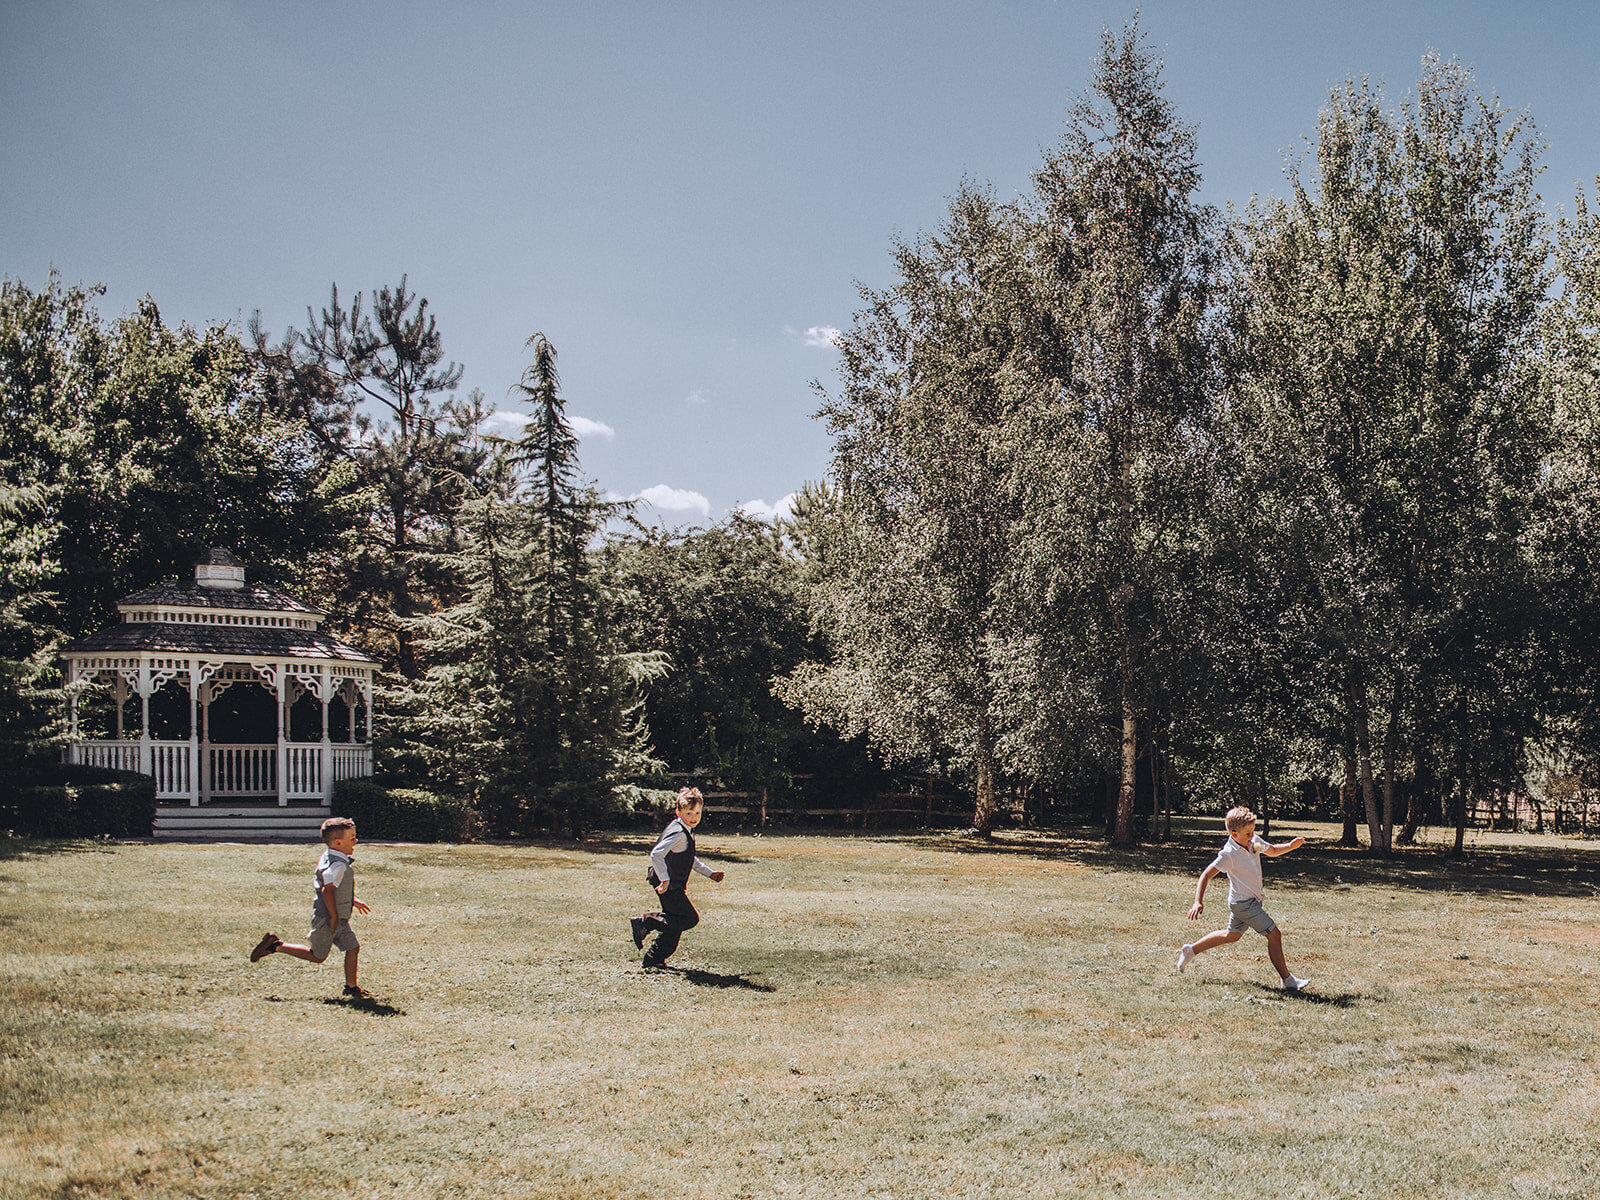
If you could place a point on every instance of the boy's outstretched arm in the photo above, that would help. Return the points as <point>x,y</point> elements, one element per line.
<point>1206,877</point>
<point>1284,847</point>
<point>361,906</point>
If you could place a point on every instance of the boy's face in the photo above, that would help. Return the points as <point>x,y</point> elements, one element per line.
<point>344,841</point>
<point>1245,835</point>
<point>691,816</point>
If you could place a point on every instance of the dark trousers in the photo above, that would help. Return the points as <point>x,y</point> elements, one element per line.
<point>676,915</point>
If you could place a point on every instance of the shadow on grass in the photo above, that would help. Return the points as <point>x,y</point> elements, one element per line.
<point>15,848</point>
<point>714,979</point>
<point>1331,999</point>
<point>376,1007</point>
<point>1510,871</point>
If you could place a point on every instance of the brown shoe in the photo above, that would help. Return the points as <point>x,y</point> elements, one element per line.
<point>268,943</point>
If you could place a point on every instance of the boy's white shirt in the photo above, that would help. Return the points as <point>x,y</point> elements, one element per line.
<point>1243,868</point>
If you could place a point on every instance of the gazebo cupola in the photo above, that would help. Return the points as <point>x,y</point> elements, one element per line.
<point>206,636</point>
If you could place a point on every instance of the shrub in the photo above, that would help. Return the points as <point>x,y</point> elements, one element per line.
<point>402,814</point>
<point>83,802</point>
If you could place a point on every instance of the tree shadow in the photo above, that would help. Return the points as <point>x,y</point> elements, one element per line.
<point>713,979</point>
<point>1512,871</point>
<point>22,848</point>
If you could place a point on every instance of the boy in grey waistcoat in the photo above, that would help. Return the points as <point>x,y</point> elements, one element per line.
<point>334,891</point>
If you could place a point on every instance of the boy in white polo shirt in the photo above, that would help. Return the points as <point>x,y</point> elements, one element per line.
<point>334,897</point>
<point>1240,860</point>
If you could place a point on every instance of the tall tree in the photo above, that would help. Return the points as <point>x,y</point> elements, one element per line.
<point>918,536</point>
<point>1114,466</point>
<point>1387,420</point>
<point>372,385</point>
<point>530,701</point>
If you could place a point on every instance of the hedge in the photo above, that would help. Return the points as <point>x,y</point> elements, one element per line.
<point>401,814</point>
<point>83,802</point>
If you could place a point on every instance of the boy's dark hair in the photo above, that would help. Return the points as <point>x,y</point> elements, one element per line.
<point>334,826</point>
<point>690,797</point>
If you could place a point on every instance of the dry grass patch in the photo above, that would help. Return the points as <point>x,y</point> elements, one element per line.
<point>872,1016</point>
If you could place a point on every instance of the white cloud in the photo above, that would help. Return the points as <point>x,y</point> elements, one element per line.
<point>699,396</point>
<point>763,511</point>
<point>516,422</point>
<point>818,337</point>
<point>673,499</point>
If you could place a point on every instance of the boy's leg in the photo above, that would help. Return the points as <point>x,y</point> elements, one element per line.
<point>1275,953</point>
<point>676,916</point>
<point>1219,937</point>
<point>350,957</point>
<point>297,951</point>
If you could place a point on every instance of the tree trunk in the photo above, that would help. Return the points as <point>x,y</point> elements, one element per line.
<point>983,814</point>
<point>1359,716</point>
<point>1390,736</point>
<point>1122,835</point>
<point>1349,805</point>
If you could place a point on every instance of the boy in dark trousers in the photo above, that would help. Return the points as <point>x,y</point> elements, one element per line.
<point>671,862</point>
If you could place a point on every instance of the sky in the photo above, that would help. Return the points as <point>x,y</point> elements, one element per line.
<point>684,197</point>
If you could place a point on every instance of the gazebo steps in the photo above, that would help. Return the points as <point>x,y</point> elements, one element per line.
<point>263,821</point>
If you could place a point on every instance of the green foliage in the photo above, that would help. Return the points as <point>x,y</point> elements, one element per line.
<point>723,606</point>
<point>81,801</point>
<point>531,704</point>
<point>402,814</point>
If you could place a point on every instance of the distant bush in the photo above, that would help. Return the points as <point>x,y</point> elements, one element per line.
<point>83,802</point>
<point>401,814</point>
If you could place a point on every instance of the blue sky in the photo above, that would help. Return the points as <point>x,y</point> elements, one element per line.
<point>681,196</point>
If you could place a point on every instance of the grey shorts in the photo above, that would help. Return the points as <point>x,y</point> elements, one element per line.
<point>323,939</point>
<point>1249,914</point>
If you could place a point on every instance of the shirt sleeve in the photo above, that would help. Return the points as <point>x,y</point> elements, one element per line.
<point>334,875</point>
<point>701,867</point>
<point>1259,843</point>
<point>1217,865</point>
<point>672,840</point>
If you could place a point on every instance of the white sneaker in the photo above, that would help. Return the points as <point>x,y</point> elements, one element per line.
<point>1184,956</point>
<point>1294,984</point>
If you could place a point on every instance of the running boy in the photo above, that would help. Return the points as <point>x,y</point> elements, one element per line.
<point>670,864</point>
<point>334,890</point>
<point>1240,860</point>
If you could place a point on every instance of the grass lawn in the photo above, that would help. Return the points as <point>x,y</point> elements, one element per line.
<point>885,1016</point>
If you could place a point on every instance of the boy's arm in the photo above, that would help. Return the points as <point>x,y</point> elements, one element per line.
<point>1284,847</point>
<point>714,875</point>
<point>1206,877</point>
<point>330,897</point>
<point>361,906</point>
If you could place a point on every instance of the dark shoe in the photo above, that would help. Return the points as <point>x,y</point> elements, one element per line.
<point>357,993</point>
<point>268,943</point>
<point>639,931</point>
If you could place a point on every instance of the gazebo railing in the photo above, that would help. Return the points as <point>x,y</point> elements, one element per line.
<point>231,770</point>
<point>351,762</point>
<point>243,770</point>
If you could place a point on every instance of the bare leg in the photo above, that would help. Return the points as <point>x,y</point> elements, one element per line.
<point>350,966</point>
<point>1212,940</point>
<point>296,951</point>
<point>1275,953</point>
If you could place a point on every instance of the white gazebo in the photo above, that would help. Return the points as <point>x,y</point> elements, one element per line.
<point>206,637</point>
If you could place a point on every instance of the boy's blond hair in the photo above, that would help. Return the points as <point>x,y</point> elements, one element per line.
<point>1238,818</point>
<point>689,797</point>
<point>334,826</point>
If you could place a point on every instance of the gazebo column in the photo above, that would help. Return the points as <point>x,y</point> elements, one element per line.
<point>119,695</point>
<point>283,742</point>
<point>146,765</point>
<point>325,686</point>
<point>195,685</point>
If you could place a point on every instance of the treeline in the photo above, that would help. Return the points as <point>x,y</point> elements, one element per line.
<point>1134,504</point>
<point>1302,494</point>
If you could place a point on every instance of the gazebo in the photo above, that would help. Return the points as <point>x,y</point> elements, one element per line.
<point>206,637</point>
